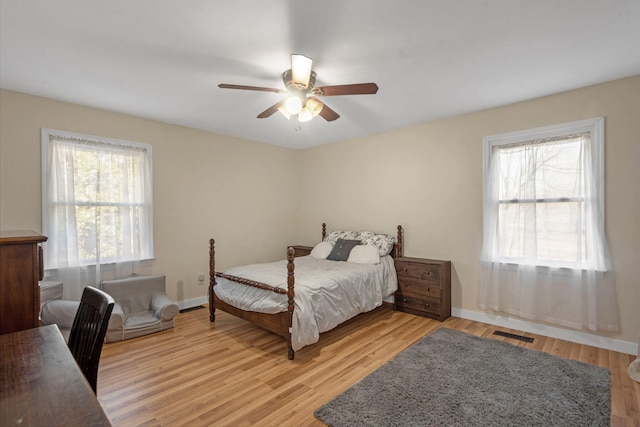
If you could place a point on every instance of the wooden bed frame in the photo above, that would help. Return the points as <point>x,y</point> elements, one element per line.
<point>279,323</point>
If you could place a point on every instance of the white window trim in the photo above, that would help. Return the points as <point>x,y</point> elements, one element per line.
<point>595,126</point>
<point>582,297</point>
<point>46,133</point>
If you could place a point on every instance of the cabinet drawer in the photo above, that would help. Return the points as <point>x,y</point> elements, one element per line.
<point>408,285</point>
<point>417,303</point>
<point>418,271</point>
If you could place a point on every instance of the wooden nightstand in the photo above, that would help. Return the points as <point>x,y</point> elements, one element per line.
<point>301,250</point>
<point>424,287</point>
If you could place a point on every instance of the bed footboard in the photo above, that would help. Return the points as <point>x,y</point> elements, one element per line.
<point>279,323</point>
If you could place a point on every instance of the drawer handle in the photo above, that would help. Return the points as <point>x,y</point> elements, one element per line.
<point>404,269</point>
<point>427,289</point>
<point>427,305</point>
<point>404,300</point>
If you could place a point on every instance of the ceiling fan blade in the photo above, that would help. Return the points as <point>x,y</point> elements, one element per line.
<point>258,88</point>
<point>269,111</point>
<point>327,113</point>
<point>353,89</point>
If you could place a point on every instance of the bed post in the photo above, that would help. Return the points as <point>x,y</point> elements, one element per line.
<point>324,231</point>
<point>212,279</point>
<point>290,296</point>
<point>399,245</point>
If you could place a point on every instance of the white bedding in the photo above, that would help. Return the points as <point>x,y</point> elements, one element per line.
<point>327,293</point>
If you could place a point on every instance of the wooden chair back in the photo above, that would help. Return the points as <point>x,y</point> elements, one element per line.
<point>88,331</point>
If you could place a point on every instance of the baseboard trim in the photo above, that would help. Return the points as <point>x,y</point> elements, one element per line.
<point>548,331</point>
<point>511,323</point>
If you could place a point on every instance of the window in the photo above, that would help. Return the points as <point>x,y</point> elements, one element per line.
<point>97,200</point>
<point>544,254</point>
<point>546,185</point>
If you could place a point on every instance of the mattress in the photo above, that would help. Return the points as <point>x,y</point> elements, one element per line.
<point>327,293</point>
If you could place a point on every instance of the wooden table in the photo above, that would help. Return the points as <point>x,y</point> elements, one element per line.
<point>41,384</point>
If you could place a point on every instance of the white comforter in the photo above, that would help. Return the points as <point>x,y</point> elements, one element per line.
<point>327,293</point>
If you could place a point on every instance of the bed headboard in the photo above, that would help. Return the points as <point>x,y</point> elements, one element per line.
<point>398,247</point>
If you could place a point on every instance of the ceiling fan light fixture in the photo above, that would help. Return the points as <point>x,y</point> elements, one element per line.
<point>300,70</point>
<point>284,111</point>
<point>314,106</point>
<point>305,115</point>
<point>300,82</point>
<point>293,105</point>
<point>287,79</point>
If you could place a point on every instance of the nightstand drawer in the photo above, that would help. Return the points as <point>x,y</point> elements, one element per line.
<point>408,285</point>
<point>418,271</point>
<point>417,303</point>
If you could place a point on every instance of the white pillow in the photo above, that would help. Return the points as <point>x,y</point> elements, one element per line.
<point>321,250</point>
<point>364,254</point>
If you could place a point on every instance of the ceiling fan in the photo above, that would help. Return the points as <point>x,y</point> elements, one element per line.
<point>303,101</point>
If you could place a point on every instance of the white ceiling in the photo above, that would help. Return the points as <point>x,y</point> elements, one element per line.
<point>163,59</point>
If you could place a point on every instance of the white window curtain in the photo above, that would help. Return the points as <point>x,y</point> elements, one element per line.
<point>97,208</point>
<point>544,255</point>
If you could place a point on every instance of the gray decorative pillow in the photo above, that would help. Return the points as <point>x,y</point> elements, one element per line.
<point>342,249</point>
<point>383,242</point>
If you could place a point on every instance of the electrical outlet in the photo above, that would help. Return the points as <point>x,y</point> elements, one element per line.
<point>201,278</point>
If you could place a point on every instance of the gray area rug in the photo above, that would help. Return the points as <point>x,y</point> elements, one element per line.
<point>451,378</point>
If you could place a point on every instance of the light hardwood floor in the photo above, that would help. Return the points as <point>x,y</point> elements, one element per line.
<point>233,373</point>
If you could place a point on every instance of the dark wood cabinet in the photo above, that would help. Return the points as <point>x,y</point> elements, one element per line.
<point>424,287</point>
<point>21,268</point>
<point>301,250</point>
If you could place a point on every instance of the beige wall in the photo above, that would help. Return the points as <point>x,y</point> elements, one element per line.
<point>429,179</point>
<point>426,177</point>
<point>205,185</point>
